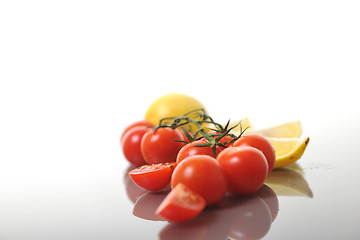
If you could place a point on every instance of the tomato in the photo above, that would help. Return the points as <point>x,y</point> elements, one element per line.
<point>144,123</point>
<point>261,143</point>
<point>202,174</point>
<point>190,149</point>
<point>181,204</point>
<point>153,177</point>
<point>172,105</point>
<point>245,169</point>
<point>159,146</point>
<point>131,145</point>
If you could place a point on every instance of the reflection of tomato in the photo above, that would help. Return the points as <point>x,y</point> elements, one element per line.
<point>181,204</point>
<point>249,215</point>
<point>141,123</point>
<point>153,177</point>
<point>172,105</point>
<point>210,224</point>
<point>146,205</point>
<point>270,198</point>
<point>131,145</point>
<point>245,169</point>
<point>159,146</point>
<point>261,143</point>
<point>202,174</point>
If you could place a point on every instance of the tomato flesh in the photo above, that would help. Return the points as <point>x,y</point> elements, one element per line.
<point>181,204</point>
<point>153,177</point>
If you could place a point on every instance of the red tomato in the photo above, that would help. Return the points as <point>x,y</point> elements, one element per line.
<point>131,145</point>
<point>202,174</point>
<point>190,149</point>
<point>141,123</point>
<point>245,169</point>
<point>261,143</point>
<point>153,177</point>
<point>181,204</point>
<point>159,146</point>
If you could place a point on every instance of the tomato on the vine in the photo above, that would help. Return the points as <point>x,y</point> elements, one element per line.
<point>261,143</point>
<point>159,146</point>
<point>131,145</point>
<point>153,177</point>
<point>141,123</point>
<point>245,169</point>
<point>181,204</point>
<point>202,174</point>
<point>191,149</point>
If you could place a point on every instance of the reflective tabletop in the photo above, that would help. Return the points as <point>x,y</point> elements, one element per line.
<point>315,198</point>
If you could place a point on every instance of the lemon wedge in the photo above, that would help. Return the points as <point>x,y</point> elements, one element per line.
<point>287,130</point>
<point>288,150</point>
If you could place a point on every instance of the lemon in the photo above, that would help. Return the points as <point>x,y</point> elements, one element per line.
<point>288,150</point>
<point>287,130</point>
<point>172,105</point>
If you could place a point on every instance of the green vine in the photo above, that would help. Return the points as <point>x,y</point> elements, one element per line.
<point>199,118</point>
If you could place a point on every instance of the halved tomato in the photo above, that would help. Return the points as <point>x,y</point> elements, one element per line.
<point>153,177</point>
<point>181,204</point>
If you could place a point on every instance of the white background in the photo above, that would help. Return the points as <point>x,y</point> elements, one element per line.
<point>73,74</point>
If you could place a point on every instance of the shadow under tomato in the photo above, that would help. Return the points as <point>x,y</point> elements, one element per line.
<point>146,205</point>
<point>235,217</point>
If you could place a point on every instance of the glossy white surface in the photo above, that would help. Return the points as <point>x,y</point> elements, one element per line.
<point>73,74</point>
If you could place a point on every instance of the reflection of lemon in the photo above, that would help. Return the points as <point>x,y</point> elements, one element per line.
<point>171,105</point>
<point>288,150</point>
<point>288,182</point>
<point>286,130</point>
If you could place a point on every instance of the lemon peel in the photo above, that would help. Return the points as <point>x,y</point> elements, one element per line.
<point>288,150</point>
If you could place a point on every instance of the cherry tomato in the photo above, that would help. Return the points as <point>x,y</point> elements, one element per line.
<point>159,146</point>
<point>261,143</point>
<point>153,177</point>
<point>181,204</point>
<point>141,123</point>
<point>131,145</point>
<point>191,149</point>
<point>245,169</point>
<point>202,174</point>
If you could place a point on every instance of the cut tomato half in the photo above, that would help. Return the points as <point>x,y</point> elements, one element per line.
<point>181,204</point>
<point>153,177</point>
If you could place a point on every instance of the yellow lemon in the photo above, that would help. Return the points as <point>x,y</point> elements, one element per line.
<point>288,150</point>
<point>286,130</point>
<point>244,124</point>
<point>172,105</point>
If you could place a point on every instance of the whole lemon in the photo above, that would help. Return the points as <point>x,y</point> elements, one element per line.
<point>172,105</point>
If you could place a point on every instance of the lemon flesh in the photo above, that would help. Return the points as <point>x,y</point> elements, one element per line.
<point>286,130</point>
<point>288,150</point>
